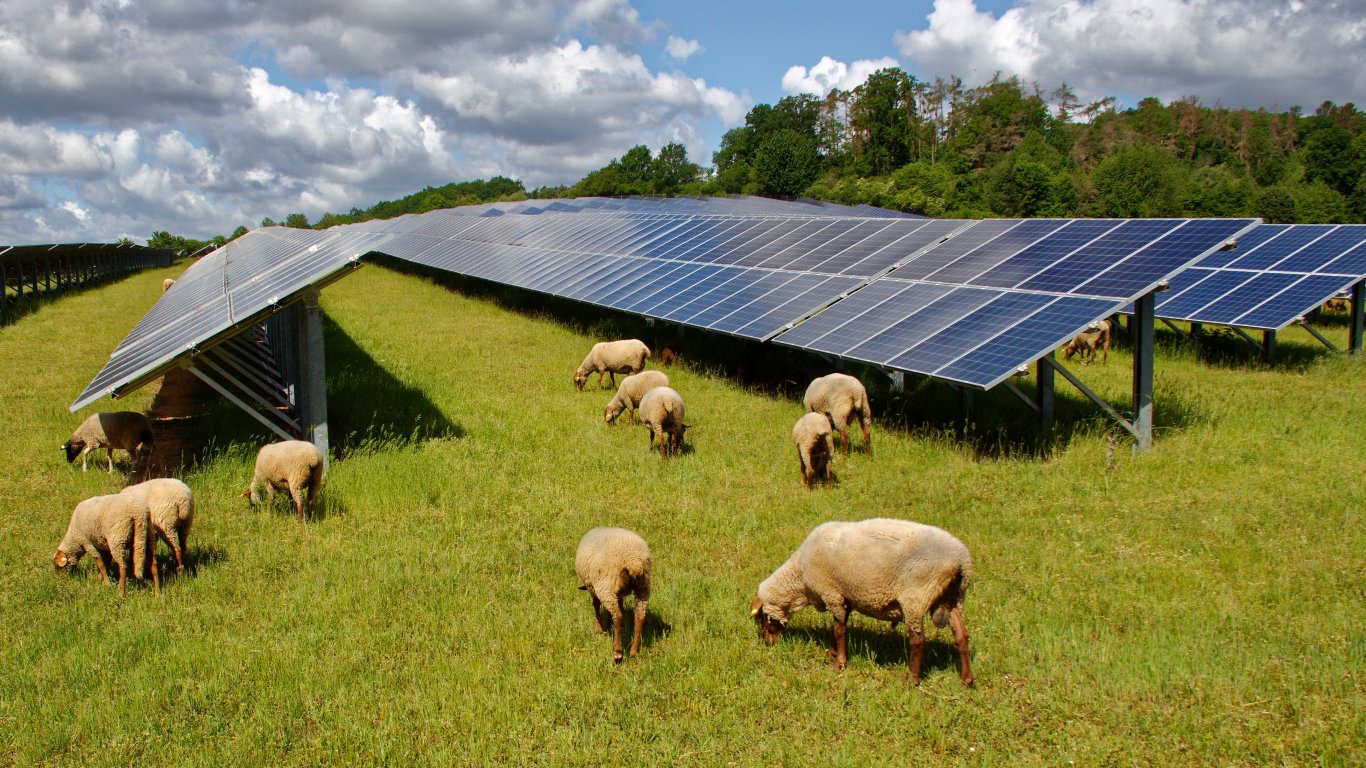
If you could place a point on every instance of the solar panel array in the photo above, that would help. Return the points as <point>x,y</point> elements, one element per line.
<point>225,292</point>
<point>965,301</point>
<point>1005,292</point>
<point>1277,274</point>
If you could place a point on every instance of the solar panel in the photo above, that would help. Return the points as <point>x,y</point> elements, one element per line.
<point>1276,275</point>
<point>999,294</point>
<point>221,294</point>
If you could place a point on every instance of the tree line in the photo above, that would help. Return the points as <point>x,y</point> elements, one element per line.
<point>1000,149</point>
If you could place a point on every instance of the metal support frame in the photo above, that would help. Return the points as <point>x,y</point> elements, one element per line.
<point>1046,390</point>
<point>1172,326</point>
<point>311,394</point>
<point>235,400</point>
<point>1010,385</point>
<point>1092,396</point>
<point>1141,327</point>
<point>1197,329</point>
<point>1357,326</point>
<point>1315,333</point>
<point>1269,345</point>
<point>898,380</point>
<point>207,361</point>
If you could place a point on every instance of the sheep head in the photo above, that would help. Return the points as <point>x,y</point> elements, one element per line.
<point>579,379</point>
<point>73,449</point>
<point>771,628</point>
<point>61,561</point>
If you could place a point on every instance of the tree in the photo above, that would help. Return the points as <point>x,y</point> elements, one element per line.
<point>786,164</point>
<point>1275,206</point>
<point>297,221</point>
<point>883,120</point>
<point>636,169</point>
<point>672,169</point>
<point>236,233</point>
<point>1138,181</point>
<point>267,222</point>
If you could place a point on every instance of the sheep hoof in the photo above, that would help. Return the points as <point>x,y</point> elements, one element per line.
<point>616,657</point>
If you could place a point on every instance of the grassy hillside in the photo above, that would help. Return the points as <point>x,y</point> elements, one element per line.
<point>1201,604</point>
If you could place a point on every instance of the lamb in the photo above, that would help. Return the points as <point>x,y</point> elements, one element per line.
<point>632,389</point>
<point>612,562</point>
<point>815,447</point>
<point>171,504</point>
<point>670,355</point>
<point>612,357</point>
<point>109,526</point>
<point>127,430</point>
<point>661,412</point>
<point>296,465</point>
<point>166,284</point>
<point>841,397</point>
<point>887,569</point>
<point>1096,335</point>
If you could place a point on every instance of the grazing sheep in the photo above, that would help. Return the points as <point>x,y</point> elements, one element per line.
<point>1337,304</point>
<point>670,355</point>
<point>127,430</point>
<point>841,398</point>
<point>166,284</point>
<point>612,562</point>
<point>887,569</point>
<point>1096,335</point>
<point>632,389</point>
<point>612,357</point>
<point>295,465</point>
<point>661,411</point>
<point>171,504</point>
<point>109,526</point>
<point>815,447</point>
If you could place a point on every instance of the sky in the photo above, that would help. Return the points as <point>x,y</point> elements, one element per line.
<point>122,117</point>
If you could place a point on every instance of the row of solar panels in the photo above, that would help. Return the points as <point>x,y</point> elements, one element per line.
<point>966,301</point>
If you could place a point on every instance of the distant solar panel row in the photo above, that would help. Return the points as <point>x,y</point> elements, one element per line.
<point>1277,274</point>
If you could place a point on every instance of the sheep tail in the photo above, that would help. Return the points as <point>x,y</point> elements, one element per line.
<point>952,596</point>
<point>140,525</point>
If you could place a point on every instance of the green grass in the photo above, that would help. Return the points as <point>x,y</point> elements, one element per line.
<point>1200,604</point>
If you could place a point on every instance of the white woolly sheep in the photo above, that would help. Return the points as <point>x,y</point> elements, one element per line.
<point>295,465</point>
<point>612,357</point>
<point>841,398</point>
<point>891,570</point>
<point>166,284</point>
<point>1096,335</point>
<point>127,430</point>
<point>171,504</point>
<point>612,562</point>
<point>632,389</point>
<point>661,412</point>
<point>109,526</point>
<point>815,447</point>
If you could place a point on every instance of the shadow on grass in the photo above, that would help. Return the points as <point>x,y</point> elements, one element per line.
<point>885,645</point>
<point>655,630</point>
<point>995,425</point>
<point>366,405</point>
<point>1224,348</point>
<point>196,556</point>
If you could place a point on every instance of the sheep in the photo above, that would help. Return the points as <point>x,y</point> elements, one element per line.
<point>612,562</point>
<point>670,355</point>
<point>841,397</point>
<point>661,412</point>
<point>166,284</point>
<point>109,526</point>
<point>127,430</point>
<point>171,504</point>
<point>891,570</point>
<point>632,389</point>
<point>295,465</point>
<point>815,447</point>
<point>612,357</point>
<point>1096,335</point>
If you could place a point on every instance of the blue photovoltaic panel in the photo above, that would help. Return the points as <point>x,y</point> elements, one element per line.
<point>1276,275</point>
<point>927,321</point>
<point>1044,253</point>
<point>1069,274</point>
<point>1047,328</point>
<point>964,336</point>
<point>991,253</point>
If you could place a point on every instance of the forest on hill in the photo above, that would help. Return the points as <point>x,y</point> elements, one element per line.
<point>1003,148</point>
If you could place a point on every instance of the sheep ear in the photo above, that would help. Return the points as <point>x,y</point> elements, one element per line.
<point>755,605</point>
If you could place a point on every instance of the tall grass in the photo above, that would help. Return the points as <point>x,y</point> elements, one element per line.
<point>1198,604</point>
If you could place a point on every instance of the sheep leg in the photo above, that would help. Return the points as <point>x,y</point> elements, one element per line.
<point>84,451</point>
<point>916,629</point>
<point>960,637</point>
<point>104,568</point>
<point>612,376</point>
<point>123,571</point>
<point>297,493</point>
<point>840,649</point>
<point>110,451</point>
<point>844,440</point>
<point>614,608</point>
<point>803,461</point>
<point>640,608</point>
<point>597,613</point>
<point>172,538</point>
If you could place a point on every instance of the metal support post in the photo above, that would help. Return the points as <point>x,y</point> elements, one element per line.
<point>1141,335</point>
<point>1269,345</point>
<point>312,392</point>
<point>1358,309</point>
<point>898,381</point>
<point>1045,390</point>
<point>1197,329</point>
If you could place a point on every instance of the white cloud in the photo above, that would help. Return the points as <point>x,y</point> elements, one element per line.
<point>829,74</point>
<point>1239,52</point>
<point>681,49</point>
<point>81,214</point>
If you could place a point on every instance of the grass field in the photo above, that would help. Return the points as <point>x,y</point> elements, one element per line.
<point>1200,604</point>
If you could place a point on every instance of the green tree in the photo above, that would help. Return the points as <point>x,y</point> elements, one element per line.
<point>1275,206</point>
<point>297,221</point>
<point>636,169</point>
<point>236,233</point>
<point>1138,181</point>
<point>883,121</point>
<point>672,169</point>
<point>786,164</point>
<point>267,222</point>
